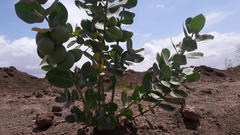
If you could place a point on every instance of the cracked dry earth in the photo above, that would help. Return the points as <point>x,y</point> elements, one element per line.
<point>23,98</point>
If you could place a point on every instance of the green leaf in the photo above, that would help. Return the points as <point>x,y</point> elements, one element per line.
<point>193,77</point>
<point>86,25</point>
<point>81,5</point>
<point>127,14</point>
<point>181,93</point>
<point>151,109</point>
<point>188,71</point>
<point>150,98</point>
<point>147,82</point>
<point>59,78</point>
<point>117,72</point>
<point>68,98</point>
<point>112,84</point>
<point>99,12</point>
<point>29,12</point>
<point>131,4</point>
<point>80,116</point>
<point>126,36</point>
<point>70,28</point>
<point>127,21</point>
<point>124,85</point>
<point>173,100</point>
<point>149,123</point>
<point>194,55</point>
<point>156,70</point>
<point>128,114</point>
<point>59,15</point>
<point>110,107</point>
<point>119,4</point>
<point>133,57</point>
<point>75,95</point>
<point>179,59</point>
<point>140,108</point>
<point>70,118</point>
<point>91,98</point>
<point>197,23</point>
<point>187,23</point>
<point>166,71</point>
<point>80,40</point>
<point>129,45</point>
<point>135,94</point>
<point>47,67</point>
<point>165,54</point>
<point>189,44</point>
<point>166,107</point>
<point>188,88</point>
<point>124,98</point>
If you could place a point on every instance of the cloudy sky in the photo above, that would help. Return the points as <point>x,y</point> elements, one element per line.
<point>155,22</point>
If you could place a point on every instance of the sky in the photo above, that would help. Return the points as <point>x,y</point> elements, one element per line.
<point>156,21</point>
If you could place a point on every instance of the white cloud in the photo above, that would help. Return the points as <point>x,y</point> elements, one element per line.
<point>214,17</point>
<point>215,51</point>
<point>157,6</point>
<point>19,53</point>
<point>146,35</point>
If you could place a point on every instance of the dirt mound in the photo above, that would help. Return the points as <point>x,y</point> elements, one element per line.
<point>23,97</point>
<point>16,82</point>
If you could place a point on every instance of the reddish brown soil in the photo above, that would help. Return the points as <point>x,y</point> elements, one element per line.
<point>217,100</point>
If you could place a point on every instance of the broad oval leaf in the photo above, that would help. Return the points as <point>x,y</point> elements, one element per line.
<point>166,107</point>
<point>197,23</point>
<point>86,25</point>
<point>59,78</point>
<point>127,14</point>
<point>124,98</point>
<point>193,77</point>
<point>91,98</point>
<point>181,93</point>
<point>70,118</point>
<point>189,44</point>
<point>29,12</point>
<point>194,55</point>
<point>131,4</point>
<point>147,82</point>
<point>59,15</point>
<point>110,107</point>
<point>179,59</point>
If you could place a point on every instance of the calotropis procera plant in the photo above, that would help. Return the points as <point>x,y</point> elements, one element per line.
<point>100,36</point>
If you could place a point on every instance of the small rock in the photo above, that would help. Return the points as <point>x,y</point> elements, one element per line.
<point>189,113</point>
<point>10,74</point>
<point>44,120</point>
<point>5,76</point>
<point>207,92</point>
<point>26,95</point>
<point>57,113</point>
<point>38,95</point>
<point>56,108</point>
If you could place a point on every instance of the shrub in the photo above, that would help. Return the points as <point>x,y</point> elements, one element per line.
<point>102,35</point>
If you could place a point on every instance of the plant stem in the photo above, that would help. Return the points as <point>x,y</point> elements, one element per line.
<point>113,93</point>
<point>147,110</point>
<point>79,91</point>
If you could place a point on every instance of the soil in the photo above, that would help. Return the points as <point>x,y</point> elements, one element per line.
<point>217,100</point>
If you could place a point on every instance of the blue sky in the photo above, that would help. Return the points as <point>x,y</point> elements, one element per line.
<point>155,22</point>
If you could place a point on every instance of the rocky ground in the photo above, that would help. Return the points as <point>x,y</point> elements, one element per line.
<point>26,100</point>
